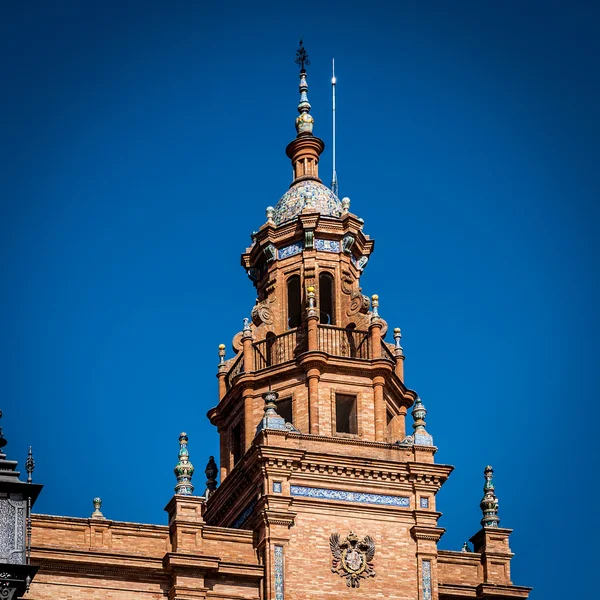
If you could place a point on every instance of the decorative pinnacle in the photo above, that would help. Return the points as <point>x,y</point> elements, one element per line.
<point>489,502</point>
<point>247,331</point>
<point>29,465</point>
<point>345,204</point>
<point>221,354</point>
<point>97,504</point>
<point>211,476</point>
<point>421,437</point>
<point>466,548</point>
<point>311,311</point>
<point>418,412</point>
<point>3,441</point>
<point>184,469</point>
<point>397,337</point>
<point>270,211</point>
<point>375,305</point>
<point>304,121</point>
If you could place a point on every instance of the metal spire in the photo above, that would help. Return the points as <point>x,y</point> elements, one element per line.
<point>334,181</point>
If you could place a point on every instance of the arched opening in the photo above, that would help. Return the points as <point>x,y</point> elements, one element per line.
<point>269,349</point>
<point>326,299</point>
<point>294,302</point>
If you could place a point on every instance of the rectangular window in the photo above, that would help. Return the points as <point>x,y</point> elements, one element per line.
<point>236,442</point>
<point>345,414</point>
<point>284,409</point>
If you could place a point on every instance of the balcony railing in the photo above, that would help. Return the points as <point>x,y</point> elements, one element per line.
<point>338,341</point>
<point>335,341</point>
<point>236,369</point>
<point>279,349</point>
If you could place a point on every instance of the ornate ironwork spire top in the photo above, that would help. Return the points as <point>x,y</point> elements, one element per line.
<point>304,121</point>
<point>302,58</point>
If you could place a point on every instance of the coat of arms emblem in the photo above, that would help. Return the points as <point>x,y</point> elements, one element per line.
<point>352,558</point>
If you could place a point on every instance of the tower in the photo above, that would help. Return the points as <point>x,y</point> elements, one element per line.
<point>322,489</point>
<point>314,456</point>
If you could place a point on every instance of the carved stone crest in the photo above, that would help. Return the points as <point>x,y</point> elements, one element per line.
<point>352,558</point>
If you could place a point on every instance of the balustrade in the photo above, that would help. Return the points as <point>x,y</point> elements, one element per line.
<point>335,341</point>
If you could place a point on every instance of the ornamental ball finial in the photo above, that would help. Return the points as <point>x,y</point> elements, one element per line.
<point>374,297</point>
<point>97,502</point>
<point>221,346</point>
<point>310,289</point>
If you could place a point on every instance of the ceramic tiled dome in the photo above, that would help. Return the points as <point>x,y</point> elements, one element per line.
<point>304,194</point>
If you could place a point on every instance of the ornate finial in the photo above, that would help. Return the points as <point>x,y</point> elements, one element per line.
<point>465,547</point>
<point>399,351</point>
<point>3,441</point>
<point>270,211</point>
<point>311,312</point>
<point>345,204</point>
<point>184,469</point>
<point>272,420</point>
<point>304,121</point>
<point>211,476</point>
<point>247,331</point>
<point>375,305</point>
<point>302,58</point>
<point>221,354</point>
<point>29,465</point>
<point>97,504</point>
<point>420,436</point>
<point>489,503</point>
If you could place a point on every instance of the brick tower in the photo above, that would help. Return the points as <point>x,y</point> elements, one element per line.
<point>322,490</point>
<point>314,455</point>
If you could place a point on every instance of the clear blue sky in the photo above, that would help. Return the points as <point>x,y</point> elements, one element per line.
<point>141,143</point>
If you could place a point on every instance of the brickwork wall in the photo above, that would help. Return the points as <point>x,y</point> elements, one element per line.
<point>308,556</point>
<point>54,586</point>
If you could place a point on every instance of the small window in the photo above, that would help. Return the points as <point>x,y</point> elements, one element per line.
<point>284,409</point>
<point>326,299</point>
<point>345,414</point>
<point>236,442</point>
<point>294,302</point>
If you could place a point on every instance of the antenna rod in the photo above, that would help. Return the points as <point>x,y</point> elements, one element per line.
<point>334,181</point>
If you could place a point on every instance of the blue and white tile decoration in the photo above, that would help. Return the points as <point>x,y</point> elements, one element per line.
<point>426,570</point>
<point>277,487</point>
<point>327,245</point>
<point>344,496</point>
<point>290,250</point>
<point>424,502</point>
<point>278,572</point>
<point>308,193</point>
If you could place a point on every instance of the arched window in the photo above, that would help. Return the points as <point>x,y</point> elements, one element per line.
<point>293,302</point>
<point>326,299</point>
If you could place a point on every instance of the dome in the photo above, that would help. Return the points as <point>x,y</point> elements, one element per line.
<point>306,194</point>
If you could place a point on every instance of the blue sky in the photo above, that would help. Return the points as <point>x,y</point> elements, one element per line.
<point>141,145</point>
